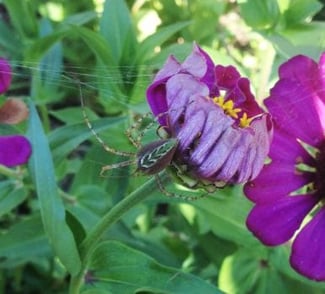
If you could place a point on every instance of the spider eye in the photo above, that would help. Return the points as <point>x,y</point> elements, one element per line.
<point>156,156</point>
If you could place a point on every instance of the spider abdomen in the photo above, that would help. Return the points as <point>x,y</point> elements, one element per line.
<point>156,156</point>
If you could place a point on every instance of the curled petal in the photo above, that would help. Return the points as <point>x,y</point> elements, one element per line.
<point>276,222</point>
<point>243,97</point>
<point>198,64</point>
<point>219,154</point>
<point>170,68</point>
<point>231,168</point>
<point>215,124</point>
<point>226,76</point>
<point>308,254</point>
<point>14,150</point>
<point>5,75</point>
<point>263,132</point>
<point>182,91</point>
<point>191,130</point>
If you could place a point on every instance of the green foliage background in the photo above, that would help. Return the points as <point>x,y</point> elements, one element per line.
<point>108,53</point>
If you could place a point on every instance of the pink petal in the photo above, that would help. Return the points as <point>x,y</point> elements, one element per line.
<point>275,181</point>
<point>287,149</point>
<point>296,100</point>
<point>275,223</point>
<point>308,252</point>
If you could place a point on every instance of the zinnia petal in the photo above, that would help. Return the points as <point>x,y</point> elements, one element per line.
<point>308,254</point>
<point>275,222</point>
<point>287,149</point>
<point>275,181</point>
<point>295,103</point>
<point>14,150</point>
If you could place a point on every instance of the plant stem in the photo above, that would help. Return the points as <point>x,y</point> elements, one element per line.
<point>88,246</point>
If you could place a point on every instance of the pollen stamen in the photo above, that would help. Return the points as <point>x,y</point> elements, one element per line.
<point>228,108</point>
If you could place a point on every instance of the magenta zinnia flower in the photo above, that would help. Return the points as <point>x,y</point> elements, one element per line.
<point>223,135</point>
<point>289,192</point>
<point>14,149</point>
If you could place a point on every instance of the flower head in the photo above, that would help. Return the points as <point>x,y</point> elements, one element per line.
<point>14,149</point>
<point>223,135</point>
<point>289,192</point>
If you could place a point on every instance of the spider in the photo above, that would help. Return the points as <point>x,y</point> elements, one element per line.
<point>152,158</point>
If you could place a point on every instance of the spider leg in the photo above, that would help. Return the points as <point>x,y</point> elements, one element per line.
<point>136,141</point>
<point>174,195</point>
<point>98,138</point>
<point>116,165</point>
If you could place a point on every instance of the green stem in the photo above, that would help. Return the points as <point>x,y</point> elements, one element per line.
<point>91,241</point>
<point>9,172</point>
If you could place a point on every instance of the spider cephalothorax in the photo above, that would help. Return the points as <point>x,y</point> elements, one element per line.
<point>156,156</point>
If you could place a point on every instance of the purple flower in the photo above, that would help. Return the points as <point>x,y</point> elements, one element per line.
<point>223,135</point>
<point>5,75</point>
<point>289,192</point>
<point>15,149</point>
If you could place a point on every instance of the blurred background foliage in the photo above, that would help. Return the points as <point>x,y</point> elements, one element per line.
<point>108,52</point>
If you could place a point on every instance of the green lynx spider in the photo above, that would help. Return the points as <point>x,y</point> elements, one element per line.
<point>150,159</point>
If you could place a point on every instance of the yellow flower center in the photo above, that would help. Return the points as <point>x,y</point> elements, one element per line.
<point>228,108</point>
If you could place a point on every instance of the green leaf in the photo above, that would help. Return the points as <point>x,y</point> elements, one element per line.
<point>79,18</point>
<point>62,143</point>
<point>226,215</point>
<point>39,47</point>
<point>120,269</point>
<point>51,206</point>
<point>261,269</point>
<point>24,241</point>
<point>12,198</point>
<point>9,41</point>
<point>146,48</point>
<point>91,203</point>
<point>307,39</point>
<point>246,270</point>
<point>299,10</point>
<point>260,14</point>
<point>117,29</point>
<point>22,17</point>
<point>107,64</point>
<point>97,44</point>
